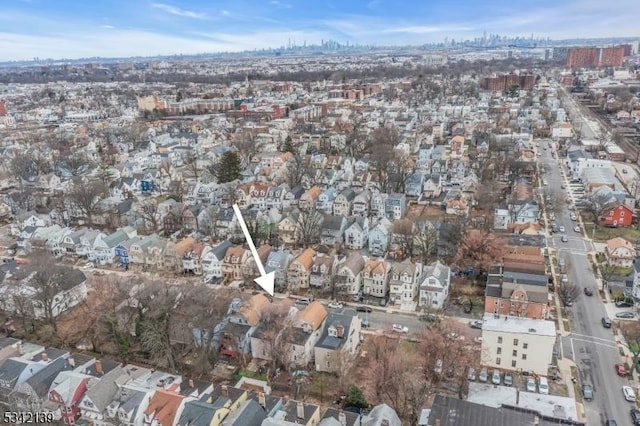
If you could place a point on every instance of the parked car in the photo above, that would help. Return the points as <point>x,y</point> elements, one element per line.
<point>587,392</point>
<point>568,301</point>
<point>508,379</point>
<point>610,422</point>
<point>635,416</point>
<point>401,328</point>
<point>495,377</point>
<point>335,305</point>
<point>625,315</point>
<point>621,370</point>
<point>573,217</point>
<point>623,304</point>
<point>629,394</point>
<point>577,229</point>
<point>562,229</point>
<point>471,374</point>
<point>531,384</point>
<point>564,239</point>
<point>543,386</point>
<point>303,301</point>
<point>476,324</point>
<point>363,309</point>
<point>483,375</point>
<point>588,291</point>
<point>606,322</point>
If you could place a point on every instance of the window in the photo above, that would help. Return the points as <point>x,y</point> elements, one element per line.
<point>525,345</point>
<point>515,342</point>
<point>515,353</point>
<point>499,351</point>
<point>524,356</point>
<point>513,363</point>
<point>498,361</point>
<point>499,339</point>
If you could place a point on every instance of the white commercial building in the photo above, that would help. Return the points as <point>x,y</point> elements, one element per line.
<point>519,344</point>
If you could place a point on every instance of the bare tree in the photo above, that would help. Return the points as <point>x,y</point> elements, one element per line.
<point>425,241</point>
<point>276,327</point>
<point>297,168</point>
<point>86,198</point>
<point>479,249</point>
<point>22,165</point>
<point>246,146</point>
<point>309,226</point>
<point>555,201</point>
<point>76,164</point>
<point>192,165</point>
<point>569,292</point>
<point>104,174</point>
<point>403,233</point>
<point>148,211</point>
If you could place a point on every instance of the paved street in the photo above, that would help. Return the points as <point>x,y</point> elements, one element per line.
<point>590,345</point>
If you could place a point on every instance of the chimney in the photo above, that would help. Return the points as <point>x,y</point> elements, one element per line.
<point>19,348</point>
<point>300,409</point>
<point>160,383</point>
<point>517,397</point>
<point>342,418</point>
<point>340,331</point>
<point>45,357</point>
<point>224,390</point>
<point>384,422</point>
<point>191,384</point>
<point>438,423</point>
<point>99,367</point>
<point>72,362</point>
<point>262,400</point>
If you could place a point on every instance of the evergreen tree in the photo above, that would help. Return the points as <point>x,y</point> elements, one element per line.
<point>288,146</point>
<point>355,398</point>
<point>229,168</point>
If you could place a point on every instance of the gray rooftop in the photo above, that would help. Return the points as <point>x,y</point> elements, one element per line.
<point>518,325</point>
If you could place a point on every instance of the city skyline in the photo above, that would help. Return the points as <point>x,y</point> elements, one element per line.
<point>119,28</point>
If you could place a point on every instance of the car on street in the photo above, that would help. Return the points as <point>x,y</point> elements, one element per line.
<point>568,301</point>
<point>495,377</point>
<point>483,375</point>
<point>573,217</point>
<point>625,315</point>
<point>562,228</point>
<point>621,370</point>
<point>606,322</point>
<point>335,305</point>
<point>508,379</point>
<point>476,324</point>
<point>588,291</point>
<point>563,186</point>
<point>587,392</point>
<point>629,394</point>
<point>623,304</point>
<point>531,384</point>
<point>635,416</point>
<point>576,229</point>
<point>400,328</point>
<point>610,422</point>
<point>564,239</point>
<point>363,309</point>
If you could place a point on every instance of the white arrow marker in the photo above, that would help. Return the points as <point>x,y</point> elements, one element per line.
<point>265,280</point>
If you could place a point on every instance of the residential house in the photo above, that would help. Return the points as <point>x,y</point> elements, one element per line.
<point>309,198</point>
<point>275,196</point>
<point>435,286</point>
<point>250,268</point>
<point>191,259</point>
<point>67,392</point>
<point>519,287</point>
<point>212,259</point>
<point>338,343</point>
<point>620,252</point>
<point>395,206</point>
<point>432,187</point>
<point>289,228</point>
<point>104,249</point>
<point>375,277</point>
<point>299,271</point>
<point>332,232</point>
<point>404,282</point>
<point>308,325</point>
<point>343,203</point>
<point>620,216</point>
<point>295,413</point>
<point>378,202</point>
<point>235,258</point>
<point>71,241</point>
<point>249,413</point>
<point>379,237</point>
<point>163,407</point>
<point>198,412</point>
<point>278,262</point>
<point>138,249</point>
<point>518,343</point>
<point>458,205</point>
<point>326,199</point>
<point>349,274</point>
<point>356,234</point>
<point>88,241</point>
<point>322,271</point>
<point>361,203</point>
<point>413,184</point>
<point>292,197</point>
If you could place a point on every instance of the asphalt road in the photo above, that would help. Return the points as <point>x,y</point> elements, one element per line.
<point>590,345</point>
<point>577,118</point>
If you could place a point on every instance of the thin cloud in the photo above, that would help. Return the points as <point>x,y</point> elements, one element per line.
<point>225,13</point>
<point>280,5</point>
<point>179,12</point>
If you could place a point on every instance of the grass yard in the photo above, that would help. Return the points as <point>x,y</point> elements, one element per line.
<point>602,234</point>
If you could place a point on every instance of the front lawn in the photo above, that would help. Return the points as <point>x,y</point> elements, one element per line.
<point>603,234</point>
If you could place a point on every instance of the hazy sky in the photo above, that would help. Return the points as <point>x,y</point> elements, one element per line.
<point>108,28</point>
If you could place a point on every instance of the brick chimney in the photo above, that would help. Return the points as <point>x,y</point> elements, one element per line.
<point>191,384</point>
<point>99,369</point>
<point>45,357</point>
<point>72,362</point>
<point>300,410</point>
<point>340,331</point>
<point>262,400</point>
<point>342,418</point>
<point>19,348</point>
<point>384,422</point>
<point>224,390</point>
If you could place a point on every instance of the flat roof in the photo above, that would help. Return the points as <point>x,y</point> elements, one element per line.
<point>509,324</point>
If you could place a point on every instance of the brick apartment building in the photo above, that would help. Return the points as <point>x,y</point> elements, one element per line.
<point>589,57</point>
<point>3,109</point>
<point>501,83</point>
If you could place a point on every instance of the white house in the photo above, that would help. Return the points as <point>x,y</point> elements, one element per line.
<point>375,277</point>
<point>404,281</point>
<point>212,259</point>
<point>357,233</point>
<point>517,343</point>
<point>436,283</point>
<point>339,340</point>
<point>349,274</point>
<point>620,252</point>
<point>379,237</point>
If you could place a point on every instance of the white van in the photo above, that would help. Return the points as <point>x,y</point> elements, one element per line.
<point>543,386</point>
